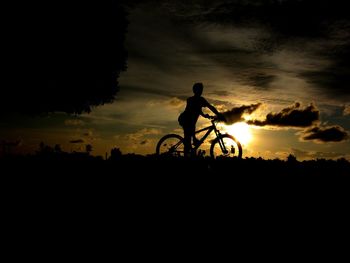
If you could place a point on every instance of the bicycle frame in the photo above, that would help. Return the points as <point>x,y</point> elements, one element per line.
<point>209,129</point>
<point>172,144</point>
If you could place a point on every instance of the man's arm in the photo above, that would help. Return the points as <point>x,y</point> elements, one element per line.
<point>213,109</point>
<point>204,115</point>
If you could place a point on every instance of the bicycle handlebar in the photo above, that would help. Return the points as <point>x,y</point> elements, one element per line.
<point>215,118</point>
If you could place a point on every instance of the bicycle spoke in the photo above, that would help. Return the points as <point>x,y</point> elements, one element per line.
<point>227,147</point>
<point>170,145</point>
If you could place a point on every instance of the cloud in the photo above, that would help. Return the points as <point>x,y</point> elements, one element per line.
<point>76,141</point>
<point>74,122</point>
<point>221,93</point>
<point>148,131</point>
<point>347,110</point>
<point>147,90</point>
<point>186,50</point>
<point>237,41</point>
<point>88,134</point>
<point>320,29</point>
<point>286,17</point>
<point>333,80</point>
<point>261,80</point>
<point>139,136</point>
<point>293,116</point>
<point>325,134</point>
<point>307,155</point>
<point>176,102</point>
<point>236,114</point>
<point>144,142</point>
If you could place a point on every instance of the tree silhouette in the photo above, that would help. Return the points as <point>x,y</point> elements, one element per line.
<point>62,55</point>
<point>88,148</point>
<point>45,149</point>
<point>8,146</point>
<point>116,154</point>
<point>291,158</point>
<point>58,148</point>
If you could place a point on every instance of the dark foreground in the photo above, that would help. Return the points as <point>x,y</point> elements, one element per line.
<point>140,171</point>
<point>129,182</point>
<point>134,194</point>
<point>122,166</point>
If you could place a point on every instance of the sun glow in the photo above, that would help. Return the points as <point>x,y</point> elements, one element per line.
<point>241,131</point>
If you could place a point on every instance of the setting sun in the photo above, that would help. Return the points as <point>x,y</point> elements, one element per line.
<point>241,131</point>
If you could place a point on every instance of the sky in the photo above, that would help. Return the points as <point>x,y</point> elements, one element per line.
<point>287,61</point>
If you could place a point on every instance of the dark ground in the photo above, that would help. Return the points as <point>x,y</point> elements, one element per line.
<point>131,172</point>
<point>79,198</point>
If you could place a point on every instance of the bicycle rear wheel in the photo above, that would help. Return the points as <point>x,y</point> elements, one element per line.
<point>231,145</point>
<point>170,145</point>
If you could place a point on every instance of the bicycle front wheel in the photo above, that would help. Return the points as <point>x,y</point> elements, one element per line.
<point>171,145</point>
<point>226,146</point>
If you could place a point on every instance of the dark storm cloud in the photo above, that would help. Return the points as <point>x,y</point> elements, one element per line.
<point>61,55</point>
<point>221,93</point>
<point>244,66</point>
<point>243,61</point>
<point>261,80</point>
<point>236,114</point>
<point>325,134</point>
<point>293,116</point>
<point>76,141</point>
<point>334,79</point>
<point>182,47</point>
<point>155,40</point>
<point>305,18</point>
<point>327,22</point>
<point>148,90</point>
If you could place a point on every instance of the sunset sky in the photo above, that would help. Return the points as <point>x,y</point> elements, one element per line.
<point>290,58</point>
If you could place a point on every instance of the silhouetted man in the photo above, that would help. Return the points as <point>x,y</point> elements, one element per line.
<point>189,117</point>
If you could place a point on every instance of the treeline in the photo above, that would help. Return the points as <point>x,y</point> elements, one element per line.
<point>117,163</point>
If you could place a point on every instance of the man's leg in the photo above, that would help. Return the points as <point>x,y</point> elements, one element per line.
<point>192,131</point>
<point>187,141</point>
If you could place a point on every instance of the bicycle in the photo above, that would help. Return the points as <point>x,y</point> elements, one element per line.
<point>223,145</point>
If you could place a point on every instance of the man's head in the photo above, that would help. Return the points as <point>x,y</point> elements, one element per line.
<point>198,89</point>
